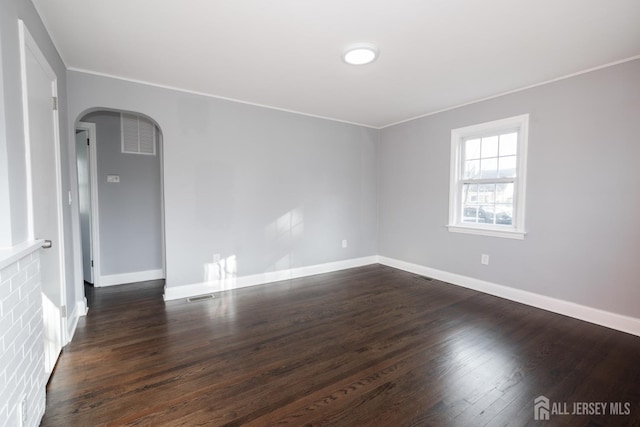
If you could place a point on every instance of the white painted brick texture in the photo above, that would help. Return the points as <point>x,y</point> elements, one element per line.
<point>21,343</point>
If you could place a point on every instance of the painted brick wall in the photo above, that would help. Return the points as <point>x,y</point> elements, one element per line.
<point>21,343</point>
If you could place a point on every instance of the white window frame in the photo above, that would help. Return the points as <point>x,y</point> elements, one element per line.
<point>458,136</point>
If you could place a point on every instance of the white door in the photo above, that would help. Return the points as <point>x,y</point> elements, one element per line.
<point>39,86</point>
<point>84,201</point>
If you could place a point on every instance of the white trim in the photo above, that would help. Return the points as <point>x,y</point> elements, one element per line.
<point>509,92</point>
<point>518,123</point>
<point>28,42</point>
<point>163,236</point>
<point>25,38</point>
<point>486,231</point>
<point>185,291</point>
<point>464,104</point>
<point>15,253</point>
<point>136,276</point>
<point>209,95</point>
<point>95,211</point>
<point>611,320</point>
<point>79,310</point>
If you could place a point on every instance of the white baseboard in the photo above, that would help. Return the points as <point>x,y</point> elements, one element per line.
<point>611,320</point>
<point>597,316</point>
<point>137,276</point>
<point>72,321</point>
<point>186,291</point>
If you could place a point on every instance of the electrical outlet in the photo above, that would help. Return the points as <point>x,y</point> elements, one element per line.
<point>216,257</point>
<point>484,259</point>
<point>344,243</point>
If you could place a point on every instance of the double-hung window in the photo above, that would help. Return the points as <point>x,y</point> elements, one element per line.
<point>488,172</point>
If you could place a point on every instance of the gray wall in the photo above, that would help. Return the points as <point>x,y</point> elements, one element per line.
<point>583,200</point>
<point>13,204</point>
<point>130,211</point>
<point>275,189</point>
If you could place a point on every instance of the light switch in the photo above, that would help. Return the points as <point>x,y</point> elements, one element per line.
<point>113,178</point>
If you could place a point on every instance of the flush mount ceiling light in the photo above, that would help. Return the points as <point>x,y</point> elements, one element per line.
<point>360,53</point>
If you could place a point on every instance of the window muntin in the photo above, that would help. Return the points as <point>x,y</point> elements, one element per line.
<point>488,172</point>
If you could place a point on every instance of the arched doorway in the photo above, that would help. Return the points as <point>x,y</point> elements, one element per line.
<point>120,188</point>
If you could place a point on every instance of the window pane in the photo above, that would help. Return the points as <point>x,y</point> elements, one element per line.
<point>469,193</point>
<point>489,168</point>
<point>504,193</point>
<point>470,214</point>
<point>487,193</point>
<point>472,149</point>
<point>504,214</point>
<point>507,167</point>
<point>470,203</point>
<point>497,214</point>
<point>509,144</point>
<point>471,169</point>
<point>490,147</point>
<point>486,212</point>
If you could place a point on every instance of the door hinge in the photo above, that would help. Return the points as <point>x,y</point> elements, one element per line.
<point>63,311</point>
<point>55,103</point>
<point>88,141</point>
<point>91,263</point>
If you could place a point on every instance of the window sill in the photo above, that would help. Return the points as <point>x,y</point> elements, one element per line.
<point>490,232</point>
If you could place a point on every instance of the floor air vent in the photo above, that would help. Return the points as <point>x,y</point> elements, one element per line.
<point>200,298</point>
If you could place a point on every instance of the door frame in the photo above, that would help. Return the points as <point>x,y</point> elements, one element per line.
<point>93,199</point>
<point>28,42</point>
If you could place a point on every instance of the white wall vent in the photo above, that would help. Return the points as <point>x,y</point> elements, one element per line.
<point>138,135</point>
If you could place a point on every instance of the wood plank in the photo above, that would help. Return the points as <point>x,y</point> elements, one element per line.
<point>366,346</point>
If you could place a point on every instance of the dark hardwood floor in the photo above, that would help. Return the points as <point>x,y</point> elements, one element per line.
<point>366,346</point>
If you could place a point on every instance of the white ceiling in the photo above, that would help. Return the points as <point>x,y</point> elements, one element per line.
<point>434,54</point>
